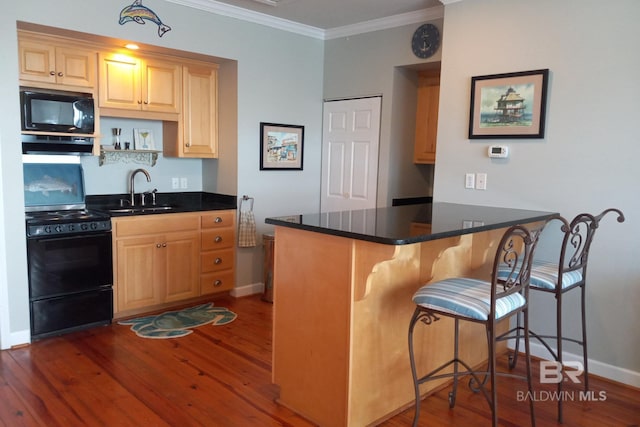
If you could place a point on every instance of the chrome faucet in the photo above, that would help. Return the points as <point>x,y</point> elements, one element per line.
<point>131,185</point>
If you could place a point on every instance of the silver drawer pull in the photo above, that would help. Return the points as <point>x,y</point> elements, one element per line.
<point>218,219</point>
<point>218,239</point>
<point>217,283</point>
<point>218,261</point>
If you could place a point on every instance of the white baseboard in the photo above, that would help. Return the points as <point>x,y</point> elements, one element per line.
<point>610,372</point>
<point>243,291</point>
<point>20,338</point>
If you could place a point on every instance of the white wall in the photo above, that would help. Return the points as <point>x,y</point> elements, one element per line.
<point>279,79</point>
<point>586,162</point>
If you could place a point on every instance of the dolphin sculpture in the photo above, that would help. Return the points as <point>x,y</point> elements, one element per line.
<point>136,12</point>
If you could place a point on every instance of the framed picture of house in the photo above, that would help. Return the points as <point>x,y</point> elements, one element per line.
<point>511,105</point>
<point>281,146</point>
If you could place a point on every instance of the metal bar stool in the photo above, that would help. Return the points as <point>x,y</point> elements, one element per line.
<point>558,278</point>
<point>485,302</point>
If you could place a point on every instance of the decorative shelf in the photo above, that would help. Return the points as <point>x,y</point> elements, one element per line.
<point>145,157</point>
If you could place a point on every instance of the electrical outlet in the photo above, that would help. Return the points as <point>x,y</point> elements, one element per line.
<point>183,183</point>
<point>175,183</point>
<point>469,180</point>
<point>481,181</point>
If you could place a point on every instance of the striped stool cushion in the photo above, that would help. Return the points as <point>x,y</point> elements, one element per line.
<point>465,297</point>
<point>544,274</point>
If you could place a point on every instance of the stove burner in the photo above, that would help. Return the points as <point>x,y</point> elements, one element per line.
<point>79,215</point>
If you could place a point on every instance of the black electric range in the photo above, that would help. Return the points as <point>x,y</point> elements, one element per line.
<point>68,252</point>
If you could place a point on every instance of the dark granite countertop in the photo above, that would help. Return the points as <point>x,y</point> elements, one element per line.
<point>178,202</point>
<point>399,225</point>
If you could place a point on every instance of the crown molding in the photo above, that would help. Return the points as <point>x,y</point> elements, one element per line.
<point>386,23</point>
<point>230,11</point>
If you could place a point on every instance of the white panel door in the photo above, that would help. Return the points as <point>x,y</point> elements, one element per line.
<point>350,140</point>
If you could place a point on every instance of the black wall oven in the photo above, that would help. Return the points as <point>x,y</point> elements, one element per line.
<point>69,256</point>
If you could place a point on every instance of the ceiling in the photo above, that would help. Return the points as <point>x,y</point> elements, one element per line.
<point>325,17</point>
<point>326,14</point>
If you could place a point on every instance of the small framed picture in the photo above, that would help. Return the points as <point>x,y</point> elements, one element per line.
<point>281,146</point>
<point>511,105</point>
<point>143,139</point>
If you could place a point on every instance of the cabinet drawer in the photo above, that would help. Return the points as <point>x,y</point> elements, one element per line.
<point>216,282</point>
<point>216,260</point>
<point>216,219</point>
<point>153,224</point>
<point>218,239</point>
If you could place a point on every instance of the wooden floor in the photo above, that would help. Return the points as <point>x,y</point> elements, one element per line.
<point>221,376</point>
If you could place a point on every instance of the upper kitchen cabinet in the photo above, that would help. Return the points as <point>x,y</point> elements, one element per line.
<point>427,117</point>
<point>146,88</point>
<point>49,63</point>
<point>196,134</point>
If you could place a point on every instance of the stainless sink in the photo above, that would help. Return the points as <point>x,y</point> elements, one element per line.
<point>140,209</point>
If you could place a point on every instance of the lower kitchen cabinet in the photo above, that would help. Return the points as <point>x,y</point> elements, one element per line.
<point>161,259</point>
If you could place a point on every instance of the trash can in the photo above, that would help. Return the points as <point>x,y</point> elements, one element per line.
<point>268,241</point>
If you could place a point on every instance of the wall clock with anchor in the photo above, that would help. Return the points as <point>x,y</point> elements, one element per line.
<point>425,41</point>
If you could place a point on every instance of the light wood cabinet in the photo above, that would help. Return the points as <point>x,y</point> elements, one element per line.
<point>182,93</point>
<point>427,117</point>
<point>54,64</point>
<point>156,260</point>
<point>139,84</point>
<point>160,260</point>
<point>217,256</point>
<point>196,134</point>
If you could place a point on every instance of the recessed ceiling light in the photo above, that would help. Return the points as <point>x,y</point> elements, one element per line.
<point>132,46</point>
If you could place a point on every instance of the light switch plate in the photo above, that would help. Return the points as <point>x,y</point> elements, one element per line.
<point>481,181</point>
<point>469,180</point>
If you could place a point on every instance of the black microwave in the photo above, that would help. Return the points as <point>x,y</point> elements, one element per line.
<point>56,111</point>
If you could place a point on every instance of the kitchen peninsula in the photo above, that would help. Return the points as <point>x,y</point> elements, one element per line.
<point>343,283</point>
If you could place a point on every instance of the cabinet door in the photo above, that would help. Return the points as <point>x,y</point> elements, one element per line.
<point>180,267</point>
<point>119,80</point>
<point>137,273</point>
<point>200,112</point>
<point>427,117</point>
<point>76,67</point>
<point>37,61</point>
<point>161,86</point>
<point>60,65</point>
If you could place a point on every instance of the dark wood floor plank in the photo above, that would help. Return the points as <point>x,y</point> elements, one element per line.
<point>221,376</point>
